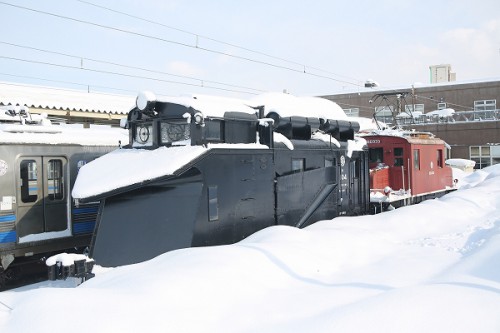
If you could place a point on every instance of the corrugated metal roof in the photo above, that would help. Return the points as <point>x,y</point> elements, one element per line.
<point>64,99</point>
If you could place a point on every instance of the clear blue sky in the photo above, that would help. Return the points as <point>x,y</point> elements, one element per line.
<point>245,46</point>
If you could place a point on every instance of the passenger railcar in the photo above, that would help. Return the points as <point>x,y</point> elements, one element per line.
<point>203,172</point>
<point>39,162</point>
<point>406,167</point>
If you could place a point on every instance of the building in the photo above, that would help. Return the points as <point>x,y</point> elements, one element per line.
<point>464,114</point>
<point>441,73</point>
<point>65,105</point>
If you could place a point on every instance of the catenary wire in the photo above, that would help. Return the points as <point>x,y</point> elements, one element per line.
<point>122,74</point>
<point>212,39</point>
<point>128,66</point>
<point>178,43</point>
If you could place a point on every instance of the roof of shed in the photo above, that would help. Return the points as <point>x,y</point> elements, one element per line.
<point>64,99</point>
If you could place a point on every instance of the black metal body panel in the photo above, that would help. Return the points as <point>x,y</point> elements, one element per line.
<point>225,196</point>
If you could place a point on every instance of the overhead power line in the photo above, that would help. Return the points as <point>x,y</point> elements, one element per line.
<point>201,81</point>
<point>119,74</point>
<point>160,39</point>
<point>86,85</point>
<point>197,36</point>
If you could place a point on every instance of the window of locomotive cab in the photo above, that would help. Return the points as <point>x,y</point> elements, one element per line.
<point>329,162</point>
<point>175,133</point>
<point>29,181</point>
<point>213,130</point>
<point>416,159</point>
<point>440,158</point>
<point>55,179</point>
<point>298,164</point>
<point>376,155</point>
<point>143,135</point>
<point>398,157</point>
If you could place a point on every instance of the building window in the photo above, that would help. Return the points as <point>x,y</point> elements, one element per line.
<point>485,105</point>
<point>384,111</point>
<point>416,159</point>
<point>352,112</point>
<point>441,106</point>
<point>481,155</point>
<point>414,108</point>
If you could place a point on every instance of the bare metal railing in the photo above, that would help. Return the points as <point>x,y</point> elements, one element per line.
<point>457,117</point>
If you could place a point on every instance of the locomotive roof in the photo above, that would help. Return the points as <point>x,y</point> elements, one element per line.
<point>285,105</point>
<point>412,137</point>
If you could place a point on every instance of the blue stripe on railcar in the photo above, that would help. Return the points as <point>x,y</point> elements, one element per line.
<point>8,236</point>
<point>83,227</point>
<point>85,210</point>
<point>7,218</point>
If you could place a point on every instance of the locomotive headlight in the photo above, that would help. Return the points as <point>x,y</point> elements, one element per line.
<point>145,100</point>
<point>198,119</point>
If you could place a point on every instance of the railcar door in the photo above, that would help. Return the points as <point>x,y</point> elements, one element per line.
<point>398,168</point>
<point>42,197</point>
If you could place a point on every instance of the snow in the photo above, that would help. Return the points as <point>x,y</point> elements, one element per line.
<point>96,135</point>
<point>210,106</point>
<point>114,170</point>
<point>287,105</point>
<point>66,259</point>
<point>460,162</point>
<point>432,267</point>
<point>441,113</point>
<point>64,99</point>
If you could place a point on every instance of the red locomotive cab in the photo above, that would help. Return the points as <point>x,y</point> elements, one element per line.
<point>411,164</point>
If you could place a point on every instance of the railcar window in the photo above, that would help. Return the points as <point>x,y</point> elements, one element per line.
<point>376,155</point>
<point>298,164</point>
<point>29,181</point>
<point>55,180</point>
<point>416,159</point>
<point>398,156</point>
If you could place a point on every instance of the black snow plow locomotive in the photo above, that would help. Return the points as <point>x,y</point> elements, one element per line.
<point>204,171</point>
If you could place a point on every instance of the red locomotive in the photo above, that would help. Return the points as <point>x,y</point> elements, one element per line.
<point>406,167</point>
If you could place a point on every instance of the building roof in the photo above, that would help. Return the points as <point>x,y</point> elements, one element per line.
<point>64,99</point>
<point>417,85</point>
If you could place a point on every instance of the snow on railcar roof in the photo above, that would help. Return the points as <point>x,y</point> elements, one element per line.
<point>96,135</point>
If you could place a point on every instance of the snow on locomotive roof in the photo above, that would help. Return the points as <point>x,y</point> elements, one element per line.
<point>287,105</point>
<point>210,106</point>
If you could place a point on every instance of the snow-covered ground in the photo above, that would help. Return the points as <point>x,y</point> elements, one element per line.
<point>433,267</point>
